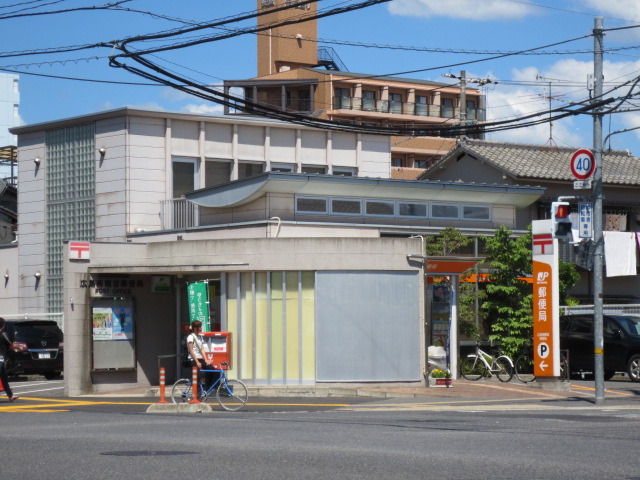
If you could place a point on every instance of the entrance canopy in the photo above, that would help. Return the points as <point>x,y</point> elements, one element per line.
<point>441,266</point>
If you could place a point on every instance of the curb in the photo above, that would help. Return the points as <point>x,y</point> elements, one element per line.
<point>179,408</point>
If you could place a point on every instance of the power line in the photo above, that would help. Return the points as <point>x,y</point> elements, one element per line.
<point>109,6</point>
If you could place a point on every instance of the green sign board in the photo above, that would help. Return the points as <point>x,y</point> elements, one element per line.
<point>198,298</point>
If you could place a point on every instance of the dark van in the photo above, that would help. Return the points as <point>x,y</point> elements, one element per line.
<point>38,347</point>
<point>621,334</point>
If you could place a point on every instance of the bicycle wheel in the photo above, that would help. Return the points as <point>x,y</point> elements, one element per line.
<point>504,369</point>
<point>231,394</point>
<point>472,368</point>
<point>524,369</point>
<point>182,391</point>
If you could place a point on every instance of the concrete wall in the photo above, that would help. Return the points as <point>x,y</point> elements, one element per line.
<point>31,222</point>
<point>9,279</point>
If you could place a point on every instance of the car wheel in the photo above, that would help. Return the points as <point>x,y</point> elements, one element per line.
<point>633,368</point>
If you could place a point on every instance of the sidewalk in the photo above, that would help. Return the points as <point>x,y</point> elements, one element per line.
<point>464,389</point>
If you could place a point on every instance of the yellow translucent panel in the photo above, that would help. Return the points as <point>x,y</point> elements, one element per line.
<point>308,341</point>
<point>277,327</point>
<point>246,326</point>
<point>262,350</point>
<point>232,315</point>
<point>292,327</point>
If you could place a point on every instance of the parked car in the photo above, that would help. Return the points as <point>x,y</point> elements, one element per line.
<point>38,347</point>
<point>621,335</point>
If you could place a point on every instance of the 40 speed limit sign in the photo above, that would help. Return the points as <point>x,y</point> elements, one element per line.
<point>583,164</point>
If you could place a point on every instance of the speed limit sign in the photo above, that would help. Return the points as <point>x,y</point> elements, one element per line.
<point>583,164</point>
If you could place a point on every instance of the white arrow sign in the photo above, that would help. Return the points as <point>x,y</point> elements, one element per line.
<point>543,365</point>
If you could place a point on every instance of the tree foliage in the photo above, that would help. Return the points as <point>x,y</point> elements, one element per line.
<point>508,305</point>
<point>447,242</point>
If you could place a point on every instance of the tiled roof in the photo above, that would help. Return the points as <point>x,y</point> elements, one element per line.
<point>545,162</point>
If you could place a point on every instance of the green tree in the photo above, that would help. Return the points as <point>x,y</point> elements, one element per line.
<point>508,305</point>
<point>568,276</point>
<point>448,241</point>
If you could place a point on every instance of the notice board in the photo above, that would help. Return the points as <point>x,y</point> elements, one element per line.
<point>113,334</point>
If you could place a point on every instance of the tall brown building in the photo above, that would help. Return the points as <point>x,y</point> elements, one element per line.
<point>296,75</point>
<point>283,48</point>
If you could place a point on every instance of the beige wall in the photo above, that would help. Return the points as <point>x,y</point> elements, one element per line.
<point>157,320</point>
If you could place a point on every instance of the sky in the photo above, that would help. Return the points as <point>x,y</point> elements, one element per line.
<point>427,38</point>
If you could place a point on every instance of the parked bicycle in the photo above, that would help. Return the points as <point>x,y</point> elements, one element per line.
<point>525,368</point>
<point>483,364</point>
<point>231,393</point>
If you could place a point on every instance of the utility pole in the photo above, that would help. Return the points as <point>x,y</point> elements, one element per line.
<point>598,237</point>
<point>463,93</point>
<point>463,98</point>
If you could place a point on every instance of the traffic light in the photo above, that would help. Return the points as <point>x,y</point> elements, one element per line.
<point>560,220</point>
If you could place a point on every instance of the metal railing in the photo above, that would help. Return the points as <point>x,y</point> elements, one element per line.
<point>178,213</point>
<point>404,108</point>
<point>610,309</point>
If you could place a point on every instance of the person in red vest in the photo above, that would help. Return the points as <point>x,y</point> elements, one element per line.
<point>5,350</point>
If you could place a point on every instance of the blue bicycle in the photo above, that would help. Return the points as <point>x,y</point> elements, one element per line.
<point>231,393</point>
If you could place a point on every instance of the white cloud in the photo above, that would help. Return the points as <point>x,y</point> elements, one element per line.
<point>511,102</point>
<point>621,9</point>
<point>207,109</point>
<point>467,9</point>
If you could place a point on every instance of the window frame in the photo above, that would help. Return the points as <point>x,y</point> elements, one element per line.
<point>380,200</point>
<point>346,199</point>
<point>476,205</point>
<point>327,201</point>
<point>425,204</point>
<point>444,204</point>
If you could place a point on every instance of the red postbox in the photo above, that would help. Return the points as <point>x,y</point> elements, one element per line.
<point>218,348</point>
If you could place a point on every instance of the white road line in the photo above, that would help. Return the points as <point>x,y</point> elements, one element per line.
<point>18,384</point>
<point>24,392</point>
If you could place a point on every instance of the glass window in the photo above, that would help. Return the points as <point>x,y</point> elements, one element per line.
<point>396,162</point>
<point>184,177</point>
<point>282,168</point>
<point>447,108</point>
<point>406,209</point>
<point>476,212</point>
<point>70,193</point>
<point>343,206</point>
<point>216,172</point>
<point>380,208</point>
<point>248,169</point>
<point>443,210</point>
<point>368,100</point>
<point>345,172</point>
<point>311,205</point>
<point>421,99</point>
<point>313,169</point>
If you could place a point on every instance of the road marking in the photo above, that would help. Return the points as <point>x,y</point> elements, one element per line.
<point>592,389</point>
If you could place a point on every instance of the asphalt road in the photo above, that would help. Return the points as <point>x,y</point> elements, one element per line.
<point>351,439</point>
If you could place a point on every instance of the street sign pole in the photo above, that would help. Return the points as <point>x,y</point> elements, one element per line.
<point>598,237</point>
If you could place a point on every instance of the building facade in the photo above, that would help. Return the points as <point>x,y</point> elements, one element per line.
<point>122,211</point>
<point>297,75</point>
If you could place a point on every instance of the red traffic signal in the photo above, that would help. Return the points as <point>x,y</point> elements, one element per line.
<point>561,224</point>
<point>561,210</point>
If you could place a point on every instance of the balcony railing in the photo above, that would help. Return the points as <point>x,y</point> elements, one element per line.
<point>404,108</point>
<point>178,213</point>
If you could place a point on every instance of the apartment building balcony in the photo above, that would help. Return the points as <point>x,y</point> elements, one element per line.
<point>348,105</point>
